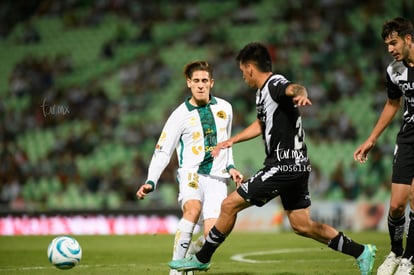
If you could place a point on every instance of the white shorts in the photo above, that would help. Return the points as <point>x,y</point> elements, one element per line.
<point>210,190</point>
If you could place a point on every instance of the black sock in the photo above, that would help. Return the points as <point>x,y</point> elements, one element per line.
<point>345,245</point>
<point>396,229</point>
<point>213,240</point>
<point>409,247</point>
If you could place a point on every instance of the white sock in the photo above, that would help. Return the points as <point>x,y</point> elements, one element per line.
<point>182,238</point>
<point>196,245</point>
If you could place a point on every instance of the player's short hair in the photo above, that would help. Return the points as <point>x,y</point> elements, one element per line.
<point>400,25</point>
<point>191,67</point>
<point>256,53</point>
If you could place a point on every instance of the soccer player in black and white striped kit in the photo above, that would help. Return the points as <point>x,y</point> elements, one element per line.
<point>398,35</point>
<point>286,167</point>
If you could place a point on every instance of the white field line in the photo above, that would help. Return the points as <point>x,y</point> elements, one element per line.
<point>244,257</point>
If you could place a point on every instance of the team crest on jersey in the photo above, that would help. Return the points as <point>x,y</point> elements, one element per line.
<point>222,114</point>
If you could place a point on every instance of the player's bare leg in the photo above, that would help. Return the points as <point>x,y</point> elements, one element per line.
<point>303,225</point>
<point>191,214</point>
<point>233,204</point>
<point>184,233</point>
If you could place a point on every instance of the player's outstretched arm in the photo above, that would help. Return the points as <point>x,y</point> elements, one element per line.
<point>299,94</point>
<point>252,131</point>
<point>144,190</point>
<point>361,153</point>
<point>221,145</point>
<point>390,109</point>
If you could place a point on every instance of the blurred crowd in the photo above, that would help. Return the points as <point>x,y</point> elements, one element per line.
<point>322,47</point>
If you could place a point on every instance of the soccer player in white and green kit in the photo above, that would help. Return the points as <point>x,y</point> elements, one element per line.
<point>193,130</point>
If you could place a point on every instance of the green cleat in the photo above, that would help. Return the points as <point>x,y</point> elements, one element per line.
<point>189,263</point>
<point>366,260</point>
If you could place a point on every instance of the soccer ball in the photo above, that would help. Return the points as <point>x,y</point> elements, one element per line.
<point>64,252</point>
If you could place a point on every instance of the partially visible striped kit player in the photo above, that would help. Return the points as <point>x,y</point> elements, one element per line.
<point>400,83</point>
<point>398,36</point>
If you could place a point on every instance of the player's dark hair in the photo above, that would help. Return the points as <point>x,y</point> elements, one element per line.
<point>190,68</point>
<point>401,26</point>
<point>256,53</point>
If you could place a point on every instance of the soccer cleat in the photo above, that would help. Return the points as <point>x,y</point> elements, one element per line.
<point>405,267</point>
<point>389,265</point>
<point>189,263</point>
<point>366,260</point>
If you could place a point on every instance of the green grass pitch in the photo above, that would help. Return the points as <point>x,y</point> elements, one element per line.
<point>241,254</point>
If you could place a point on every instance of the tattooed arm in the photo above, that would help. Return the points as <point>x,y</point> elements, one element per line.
<point>299,94</point>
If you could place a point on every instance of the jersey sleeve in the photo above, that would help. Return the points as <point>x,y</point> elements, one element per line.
<point>393,91</point>
<point>277,87</point>
<point>164,148</point>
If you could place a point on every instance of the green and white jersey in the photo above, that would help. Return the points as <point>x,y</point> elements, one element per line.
<point>193,132</point>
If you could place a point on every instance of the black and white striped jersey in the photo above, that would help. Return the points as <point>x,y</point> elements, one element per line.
<point>282,130</point>
<point>400,82</point>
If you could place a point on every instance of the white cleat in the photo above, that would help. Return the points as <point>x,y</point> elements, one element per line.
<point>176,272</point>
<point>389,265</point>
<point>405,267</point>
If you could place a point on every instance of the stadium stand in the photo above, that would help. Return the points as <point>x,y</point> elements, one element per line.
<point>87,88</point>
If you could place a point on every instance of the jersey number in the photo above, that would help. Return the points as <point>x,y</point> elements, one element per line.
<point>299,134</point>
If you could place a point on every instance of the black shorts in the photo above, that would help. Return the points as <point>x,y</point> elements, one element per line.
<point>403,165</point>
<point>266,185</point>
